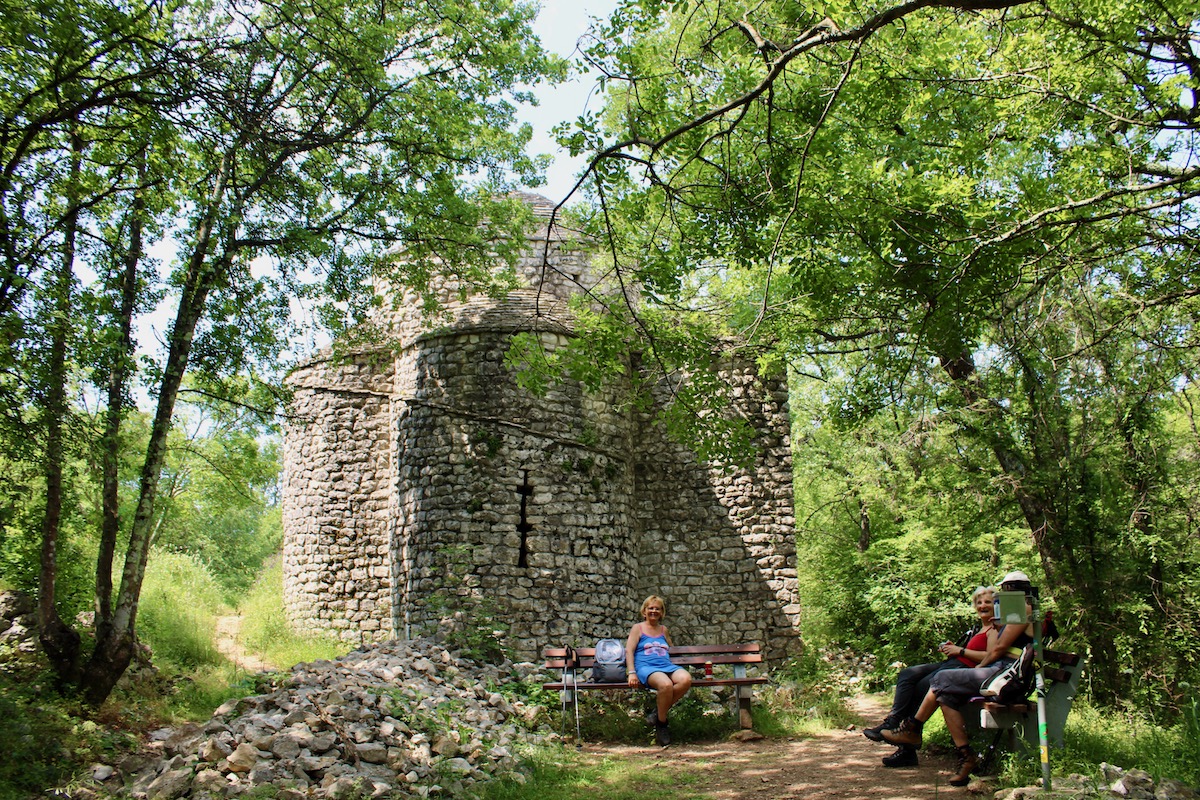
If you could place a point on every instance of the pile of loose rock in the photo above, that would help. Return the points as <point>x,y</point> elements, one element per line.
<point>1114,782</point>
<point>849,670</point>
<point>408,719</point>
<point>18,621</point>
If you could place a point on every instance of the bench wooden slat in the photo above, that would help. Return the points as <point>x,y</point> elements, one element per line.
<point>1056,674</point>
<point>681,650</point>
<point>690,655</point>
<point>614,686</point>
<point>693,649</point>
<point>736,656</point>
<point>747,658</point>
<point>1059,657</point>
<point>586,662</point>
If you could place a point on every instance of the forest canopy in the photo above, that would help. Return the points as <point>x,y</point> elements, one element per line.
<point>968,231</point>
<point>273,152</point>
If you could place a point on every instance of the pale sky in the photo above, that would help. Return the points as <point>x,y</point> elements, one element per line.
<point>559,25</point>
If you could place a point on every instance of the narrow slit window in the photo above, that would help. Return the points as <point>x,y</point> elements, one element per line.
<point>523,527</point>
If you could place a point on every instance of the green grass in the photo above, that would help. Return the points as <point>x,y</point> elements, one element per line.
<point>265,629</point>
<point>1130,739</point>
<point>177,619</point>
<point>556,773</point>
<point>33,740</point>
<point>178,610</point>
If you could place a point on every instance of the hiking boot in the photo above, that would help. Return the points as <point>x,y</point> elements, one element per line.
<point>662,734</point>
<point>905,756</point>
<point>909,732</point>
<point>652,717</point>
<point>876,734</point>
<point>967,761</point>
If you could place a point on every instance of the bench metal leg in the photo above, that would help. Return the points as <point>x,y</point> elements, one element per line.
<point>741,699</point>
<point>985,764</point>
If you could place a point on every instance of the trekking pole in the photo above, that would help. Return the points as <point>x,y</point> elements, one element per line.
<point>575,702</point>
<point>1043,733</point>
<point>570,689</point>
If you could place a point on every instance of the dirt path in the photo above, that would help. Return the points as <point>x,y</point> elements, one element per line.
<point>837,765</point>
<point>229,644</point>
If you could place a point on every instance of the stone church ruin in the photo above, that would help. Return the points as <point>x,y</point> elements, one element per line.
<point>562,511</point>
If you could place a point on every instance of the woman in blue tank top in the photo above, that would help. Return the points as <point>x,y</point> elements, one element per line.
<point>647,662</point>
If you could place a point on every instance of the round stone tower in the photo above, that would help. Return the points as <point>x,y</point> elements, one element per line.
<point>420,468</point>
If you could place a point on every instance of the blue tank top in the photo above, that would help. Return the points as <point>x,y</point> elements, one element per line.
<point>651,647</point>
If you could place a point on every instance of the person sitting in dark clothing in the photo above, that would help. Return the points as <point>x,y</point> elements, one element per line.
<point>913,682</point>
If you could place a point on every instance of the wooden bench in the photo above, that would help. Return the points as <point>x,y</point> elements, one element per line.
<point>691,657</point>
<point>1061,672</point>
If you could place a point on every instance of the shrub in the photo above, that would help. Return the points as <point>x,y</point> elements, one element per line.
<point>45,739</point>
<point>33,743</point>
<point>178,611</point>
<point>808,694</point>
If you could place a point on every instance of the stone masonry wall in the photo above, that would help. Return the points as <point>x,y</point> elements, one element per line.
<point>719,544</point>
<point>423,460</point>
<point>336,496</point>
<point>536,489</point>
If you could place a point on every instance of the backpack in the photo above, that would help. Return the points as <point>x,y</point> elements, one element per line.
<point>1013,683</point>
<point>609,664</point>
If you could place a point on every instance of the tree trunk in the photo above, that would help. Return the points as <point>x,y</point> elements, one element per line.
<point>864,525</point>
<point>114,649</point>
<point>1081,583</point>
<point>1040,514</point>
<point>58,639</point>
<point>118,373</point>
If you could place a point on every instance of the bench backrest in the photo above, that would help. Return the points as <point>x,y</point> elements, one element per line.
<point>1061,672</point>
<point>1062,668</point>
<point>684,655</point>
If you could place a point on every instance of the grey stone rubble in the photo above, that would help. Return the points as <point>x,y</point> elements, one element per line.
<point>851,669</point>
<point>401,718</point>
<point>18,621</point>
<point>1114,782</point>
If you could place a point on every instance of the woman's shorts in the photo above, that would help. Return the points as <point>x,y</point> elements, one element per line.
<point>956,686</point>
